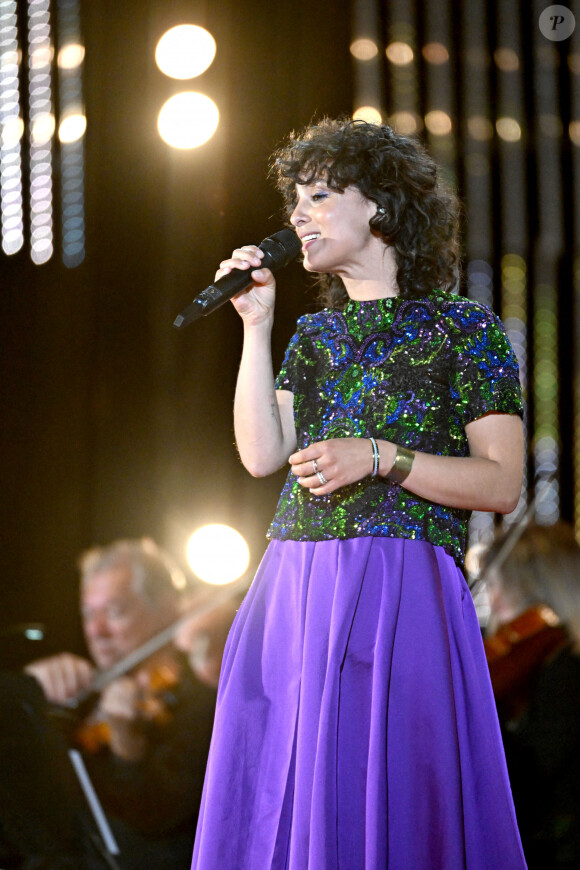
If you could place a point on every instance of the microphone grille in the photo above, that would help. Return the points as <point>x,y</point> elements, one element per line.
<point>281,248</point>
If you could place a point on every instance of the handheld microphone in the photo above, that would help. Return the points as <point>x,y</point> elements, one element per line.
<point>279,250</point>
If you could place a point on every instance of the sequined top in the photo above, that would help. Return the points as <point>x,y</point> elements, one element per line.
<point>411,371</point>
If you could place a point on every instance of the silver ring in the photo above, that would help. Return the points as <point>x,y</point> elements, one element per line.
<point>315,466</point>
<point>321,477</point>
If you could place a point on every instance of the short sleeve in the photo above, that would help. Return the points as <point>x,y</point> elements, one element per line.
<point>286,379</point>
<point>487,374</point>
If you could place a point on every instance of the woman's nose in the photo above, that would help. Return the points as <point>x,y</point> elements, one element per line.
<point>298,216</point>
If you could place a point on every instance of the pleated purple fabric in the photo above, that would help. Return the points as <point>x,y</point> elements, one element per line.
<point>355,725</point>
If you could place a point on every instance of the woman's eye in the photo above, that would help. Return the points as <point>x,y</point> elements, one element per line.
<point>317,197</point>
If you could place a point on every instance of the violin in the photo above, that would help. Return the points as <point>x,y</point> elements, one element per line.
<point>154,706</point>
<point>517,652</point>
<point>93,733</point>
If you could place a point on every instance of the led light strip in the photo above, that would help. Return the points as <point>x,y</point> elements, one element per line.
<point>11,128</point>
<point>41,130</point>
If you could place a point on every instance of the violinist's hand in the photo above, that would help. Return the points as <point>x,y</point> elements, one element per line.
<point>339,461</point>
<point>120,707</point>
<point>62,677</point>
<point>203,639</point>
<point>255,305</point>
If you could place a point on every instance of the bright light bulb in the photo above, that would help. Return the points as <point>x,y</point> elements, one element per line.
<point>370,114</point>
<point>188,120</point>
<point>72,128</point>
<point>185,51</point>
<point>218,554</point>
<point>71,56</point>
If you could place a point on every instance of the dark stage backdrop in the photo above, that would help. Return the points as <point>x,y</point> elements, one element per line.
<point>113,423</point>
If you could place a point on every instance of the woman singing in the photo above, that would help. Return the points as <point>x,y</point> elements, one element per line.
<point>355,725</point>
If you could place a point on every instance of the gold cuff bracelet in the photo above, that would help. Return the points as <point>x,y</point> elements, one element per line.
<point>402,465</point>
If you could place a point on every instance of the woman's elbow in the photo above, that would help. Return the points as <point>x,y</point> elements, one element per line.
<point>256,469</point>
<point>508,496</point>
<point>260,466</point>
<point>507,505</point>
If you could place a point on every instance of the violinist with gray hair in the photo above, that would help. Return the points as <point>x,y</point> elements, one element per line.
<point>145,741</point>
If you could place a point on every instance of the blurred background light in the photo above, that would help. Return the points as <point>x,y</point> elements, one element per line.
<point>480,128</point>
<point>367,113</point>
<point>574,132</point>
<point>72,128</point>
<point>188,120</point>
<point>399,53</point>
<point>438,122</point>
<point>436,53</point>
<point>42,130</point>
<point>218,554</point>
<point>508,129</point>
<point>11,197</point>
<point>40,96</point>
<point>12,130</point>
<point>506,59</point>
<point>405,122</point>
<point>185,51</point>
<point>71,56</point>
<point>364,49</point>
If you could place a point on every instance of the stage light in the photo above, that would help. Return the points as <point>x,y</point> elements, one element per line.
<point>41,57</point>
<point>405,123</point>
<point>185,51</point>
<point>369,114</point>
<point>508,129</point>
<point>42,130</point>
<point>12,131</point>
<point>364,49</point>
<point>72,128</point>
<point>218,554</point>
<point>40,95</point>
<point>188,120</point>
<point>435,53</point>
<point>71,132</point>
<point>506,59</point>
<point>438,122</point>
<point>399,53</point>
<point>71,56</point>
<point>480,128</point>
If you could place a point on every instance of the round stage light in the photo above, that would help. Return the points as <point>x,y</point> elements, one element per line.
<point>218,554</point>
<point>185,51</point>
<point>71,56</point>
<point>188,120</point>
<point>72,128</point>
<point>370,114</point>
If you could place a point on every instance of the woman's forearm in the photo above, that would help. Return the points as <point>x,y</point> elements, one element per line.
<point>264,427</point>
<point>489,479</point>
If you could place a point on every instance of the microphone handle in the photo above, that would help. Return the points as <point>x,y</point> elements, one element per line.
<point>279,249</point>
<point>214,295</point>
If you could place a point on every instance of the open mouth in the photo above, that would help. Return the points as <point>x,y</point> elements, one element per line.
<point>309,237</point>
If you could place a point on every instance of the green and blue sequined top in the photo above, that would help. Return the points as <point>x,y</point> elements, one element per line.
<point>411,371</point>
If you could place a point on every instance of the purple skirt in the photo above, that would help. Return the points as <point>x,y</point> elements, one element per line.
<point>355,725</point>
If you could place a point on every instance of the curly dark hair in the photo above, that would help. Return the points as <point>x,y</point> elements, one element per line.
<point>416,213</point>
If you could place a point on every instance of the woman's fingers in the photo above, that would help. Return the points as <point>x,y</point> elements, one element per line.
<point>247,257</point>
<point>325,466</point>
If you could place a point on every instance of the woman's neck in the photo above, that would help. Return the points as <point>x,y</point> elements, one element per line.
<point>380,283</point>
